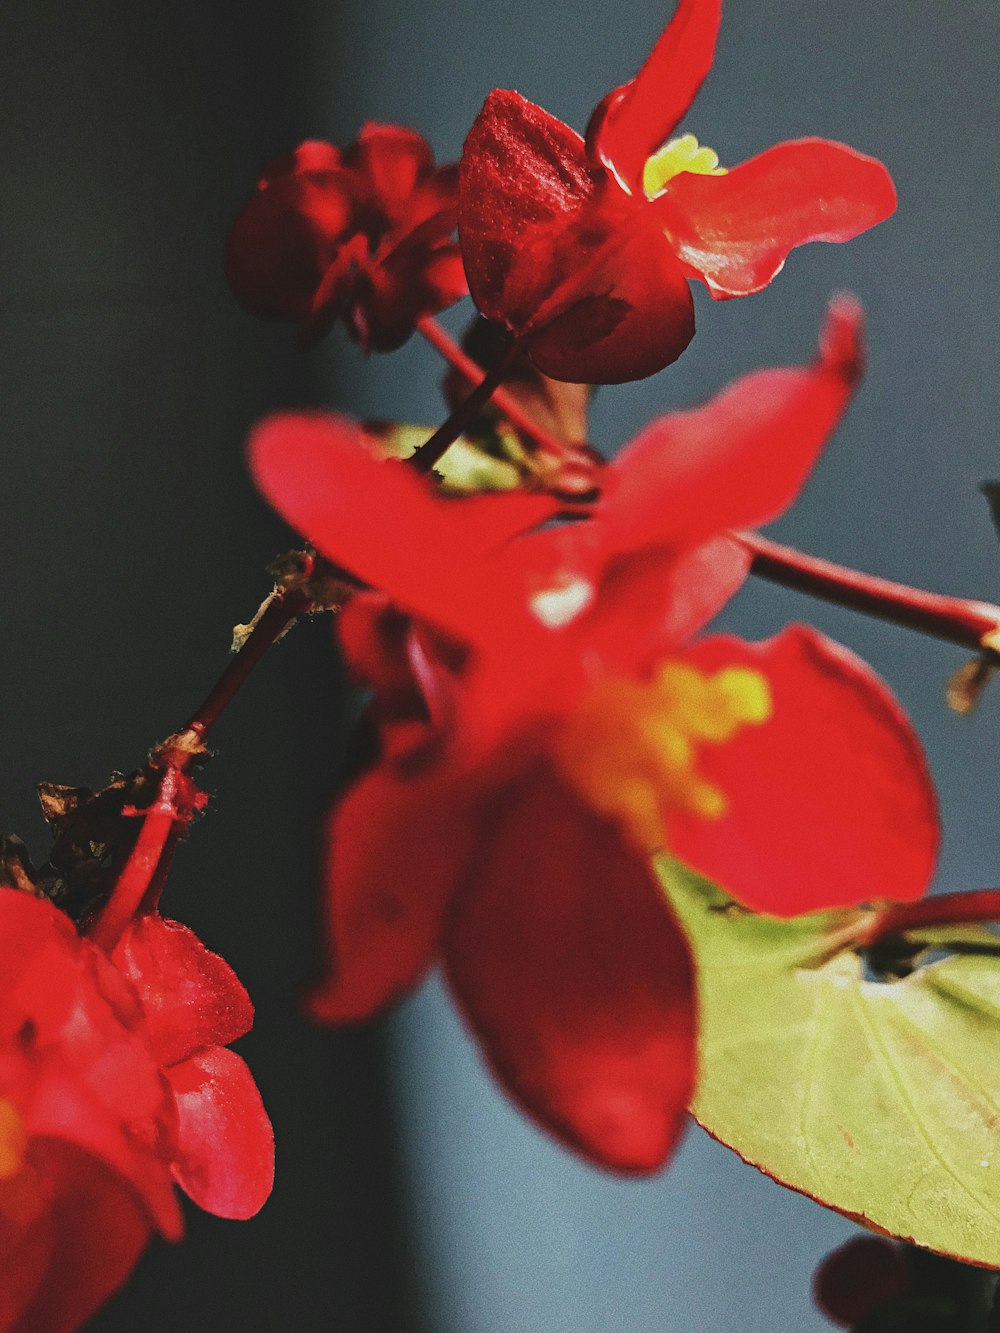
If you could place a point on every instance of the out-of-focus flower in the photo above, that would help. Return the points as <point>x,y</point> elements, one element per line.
<point>104,1102</point>
<point>364,235</point>
<point>583,248</point>
<point>546,725</point>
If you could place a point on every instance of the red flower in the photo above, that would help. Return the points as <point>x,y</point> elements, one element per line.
<point>362,235</point>
<point>90,1129</point>
<point>545,728</point>
<point>583,249</point>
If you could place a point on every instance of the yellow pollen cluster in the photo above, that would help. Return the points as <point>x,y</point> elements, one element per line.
<point>632,750</point>
<point>683,154</point>
<point>13,1140</point>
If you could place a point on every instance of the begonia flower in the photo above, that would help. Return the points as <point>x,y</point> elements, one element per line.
<point>364,235</point>
<point>583,248</point>
<point>96,1065</point>
<point>549,725</point>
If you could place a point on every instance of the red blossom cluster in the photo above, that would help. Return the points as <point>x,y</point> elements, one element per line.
<point>115,1084</point>
<point>548,721</point>
<point>549,717</point>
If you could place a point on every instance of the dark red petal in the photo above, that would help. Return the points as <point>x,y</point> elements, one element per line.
<point>857,1278</point>
<point>622,309</point>
<point>225,1153</point>
<point>735,231</point>
<point>393,160</point>
<point>636,119</point>
<point>523,177</point>
<point>830,802</point>
<point>382,521</point>
<point>312,158</point>
<point>397,849</point>
<point>89,1241</point>
<point>284,241</point>
<point>191,997</point>
<point>575,977</point>
<point>739,460</point>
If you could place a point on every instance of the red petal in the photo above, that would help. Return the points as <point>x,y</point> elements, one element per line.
<point>523,177</point>
<point>393,160</point>
<point>636,119</point>
<point>576,979</point>
<point>382,521</point>
<point>830,802</point>
<point>397,850</point>
<point>735,231</point>
<point>191,997</point>
<point>286,238</point>
<point>89,1241</point>
<point>622,309</point>
<point>739,460</point>
<point>225,1154</point>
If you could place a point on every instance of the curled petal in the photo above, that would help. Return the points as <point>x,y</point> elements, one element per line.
<point>191,997</point>
<point>829,803</point>
<point>397,849</point>
<point>735,231</point>
<point>633,121</point>
<point>225,1144</point>
<point>576,978</point>
<point>383,522</point>
<point>741,459</point>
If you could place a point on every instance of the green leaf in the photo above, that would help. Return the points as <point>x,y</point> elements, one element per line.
<point>879,1099</point>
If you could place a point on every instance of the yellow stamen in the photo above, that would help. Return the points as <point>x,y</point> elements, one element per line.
<point>683,154</point>
<point>632,750</point>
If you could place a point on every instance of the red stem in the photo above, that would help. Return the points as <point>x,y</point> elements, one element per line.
<point>472,372</point>
<point>941,909</point>
<point>285,606</point>
<point>970,624</point>
<point>429,454</point>
<point>138,871</point>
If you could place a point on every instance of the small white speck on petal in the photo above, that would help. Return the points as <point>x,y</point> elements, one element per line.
<point>556,607</point>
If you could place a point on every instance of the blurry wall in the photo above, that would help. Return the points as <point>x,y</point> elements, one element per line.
<point>131,541</point>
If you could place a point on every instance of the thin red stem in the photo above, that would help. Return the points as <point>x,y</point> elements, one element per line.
<point>472,372</point>
<point>429,454</point>
<point>942,909</point>
<point>285,606</point>
<point>137,873</point>
<point>970,624</point>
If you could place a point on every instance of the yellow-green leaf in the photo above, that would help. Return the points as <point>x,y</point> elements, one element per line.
<point>878,1098</point>
<point>468,467</point>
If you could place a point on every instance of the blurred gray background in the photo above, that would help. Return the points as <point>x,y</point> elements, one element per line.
<point>410,1196</point>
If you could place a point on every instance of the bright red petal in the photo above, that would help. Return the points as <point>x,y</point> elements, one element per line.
<point>89,1240</point>
<point>225,1152</point>
<point>381,520</point>
<point>830,802</point>
<point>392,161</point>
<point>735,231</point>
<point>523,178</point>
<point>739,460</point>
<point>191,997</point>
<point>636,119</point>
<point>398,847</point>
<point>576,979</point>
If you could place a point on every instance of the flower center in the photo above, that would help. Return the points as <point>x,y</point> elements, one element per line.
<point>683,154</point>
<point>632,750</point>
